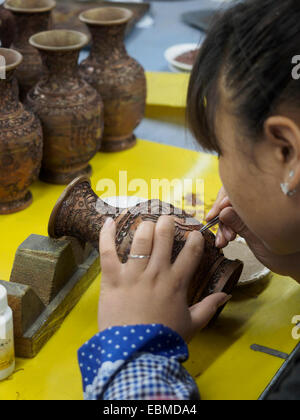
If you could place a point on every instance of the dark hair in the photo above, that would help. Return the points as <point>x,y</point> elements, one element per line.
<point>251,45</point>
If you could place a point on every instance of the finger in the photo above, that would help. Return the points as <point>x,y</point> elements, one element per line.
<point>163,243</point>
<point>107,246</point>
<point>189,258</point>
<point>203,312</point>
<point>221,202</point>
<point>221,195</point>
<point>217,208</point>
<point>224,236</point>
<point>221,241</point>
<point>228,233</point>
<point>142,245</point>
<point>230,218</point>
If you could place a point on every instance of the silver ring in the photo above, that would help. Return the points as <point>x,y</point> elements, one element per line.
<point>139,257</point>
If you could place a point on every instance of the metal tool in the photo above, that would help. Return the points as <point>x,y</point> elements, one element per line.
<point>210,224</point>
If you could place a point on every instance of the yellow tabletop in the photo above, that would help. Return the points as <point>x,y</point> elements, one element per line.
<point>165,89</point>
<point>221,360</point>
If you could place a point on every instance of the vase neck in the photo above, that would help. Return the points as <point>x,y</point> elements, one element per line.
<point>61,66</point>
<point>83,215</point>
<point>9,94</point>
<point>108,42</point>
<point>28,24</point>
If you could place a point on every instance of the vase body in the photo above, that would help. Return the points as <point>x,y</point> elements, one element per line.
<point>80,213</point>
<point>31,16</point>
<point>21,144</point>
<point>71,112</point>
<point>116,76</point>
<point>7,28</point>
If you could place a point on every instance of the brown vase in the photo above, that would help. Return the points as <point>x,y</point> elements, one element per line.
<point>31,16</point>
<point>7,28</point>
<point>117,77</point>
<point>80,213</point>
<point>21,143</point>
<point>71,111</point>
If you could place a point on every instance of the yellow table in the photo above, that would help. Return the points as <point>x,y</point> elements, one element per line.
<point>220,358</point>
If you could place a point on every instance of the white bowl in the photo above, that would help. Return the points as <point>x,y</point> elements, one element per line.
<point>173,52</point>
<point>176,69</point>
<point>254,270</point>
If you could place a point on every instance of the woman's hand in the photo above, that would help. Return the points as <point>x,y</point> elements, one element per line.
<point>225,233</point>
<point>231,225</point>
<point>153,290</point>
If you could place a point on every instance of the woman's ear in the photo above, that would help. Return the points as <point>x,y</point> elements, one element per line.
<point>283,136</point>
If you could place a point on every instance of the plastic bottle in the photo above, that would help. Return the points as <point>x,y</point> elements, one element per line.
<point>7,351</point>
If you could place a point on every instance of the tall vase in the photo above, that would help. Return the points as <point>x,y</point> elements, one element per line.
<point>7,28</point>
<point>115,75</point>
<point>21,143</point>
<point>80,213</point>
<point>71,111</point>
<point>31,16</point>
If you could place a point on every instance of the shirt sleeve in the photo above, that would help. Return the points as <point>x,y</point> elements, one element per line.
<point>136,362</point>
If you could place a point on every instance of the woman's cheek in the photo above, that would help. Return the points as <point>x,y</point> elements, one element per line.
<point>221,170</point>
<point>232,183</point>
<point>227,178</point>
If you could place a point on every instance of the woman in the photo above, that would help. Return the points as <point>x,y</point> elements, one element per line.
<point>244,104</point>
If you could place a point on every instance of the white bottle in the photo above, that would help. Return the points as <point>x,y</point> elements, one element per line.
<point>7,351</point>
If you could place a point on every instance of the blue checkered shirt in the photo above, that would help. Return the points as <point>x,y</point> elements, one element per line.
<point>136,362</point>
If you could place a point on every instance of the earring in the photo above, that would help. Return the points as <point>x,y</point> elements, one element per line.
<point>285,186</point>
<point>292,174</point>
<point>286,191</point>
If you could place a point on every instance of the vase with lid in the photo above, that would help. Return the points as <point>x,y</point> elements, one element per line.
<point>21,142</point>
<point>118,78</point>
<point>71,111</point>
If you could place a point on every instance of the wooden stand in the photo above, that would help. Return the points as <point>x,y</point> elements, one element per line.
<point>48,278</point>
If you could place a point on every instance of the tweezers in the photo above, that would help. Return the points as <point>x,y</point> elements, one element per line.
<point>210,224</point>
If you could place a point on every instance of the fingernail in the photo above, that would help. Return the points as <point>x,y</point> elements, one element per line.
<point>209,214</point>
<point>108,222</point>
<point>225,200</point>
<point>218,240</point>
<point>227,233</point>
<point>225,300</point>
